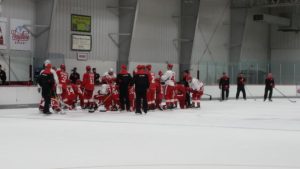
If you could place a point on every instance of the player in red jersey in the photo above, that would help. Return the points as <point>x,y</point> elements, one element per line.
<point>62,78</point>
<point>69,96</point>
<point>151,93</point>
<point>180,94</point>
<point>88,86</point>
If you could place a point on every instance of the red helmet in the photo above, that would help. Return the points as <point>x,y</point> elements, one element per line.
<point>88,68</point>
<point>78,81</point>
<point>63,66</point>
<point>170,66</point>
<point>48,66</point>
<point>143,66</point>
<point>149,67</point>
<point>123,67</point>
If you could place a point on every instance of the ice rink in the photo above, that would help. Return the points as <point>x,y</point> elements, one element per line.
<point>221,135</point>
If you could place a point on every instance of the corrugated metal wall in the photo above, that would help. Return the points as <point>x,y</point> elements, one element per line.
<point>104,21</point>
<point>154,33</point>
<point>212,38</point>
<point>20,60</point>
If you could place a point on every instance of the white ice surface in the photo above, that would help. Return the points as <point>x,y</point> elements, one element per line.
<point>221,135</point>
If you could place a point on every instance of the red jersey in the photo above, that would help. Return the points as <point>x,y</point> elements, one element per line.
<point>68,93</point>
<point>88,81</point>
<point>152,80</point>
<point>62,78</point>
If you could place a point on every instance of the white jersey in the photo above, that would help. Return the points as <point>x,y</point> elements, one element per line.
<point>196,85</point>
<point>169,78</point>
<point>104,89</point>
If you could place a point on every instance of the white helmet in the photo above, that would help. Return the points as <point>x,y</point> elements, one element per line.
<point>47,62</point>
<point>111,70</point>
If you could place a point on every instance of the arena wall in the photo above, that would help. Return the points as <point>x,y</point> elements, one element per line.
<point>14,96</point>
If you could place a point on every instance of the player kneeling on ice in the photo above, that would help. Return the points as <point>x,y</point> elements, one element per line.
<point>69,96</point>
<point>197,89</point>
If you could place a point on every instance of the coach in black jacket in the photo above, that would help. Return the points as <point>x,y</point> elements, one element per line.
<point>141,82</point>
<point>270,84</point>
<point>123,81</point>
<point>46,81</point>
<point>224,85</point>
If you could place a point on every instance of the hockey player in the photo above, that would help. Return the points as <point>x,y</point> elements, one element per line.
<point>270,84</point>
<point>241,80</point>
<point>123,81</point>
<point>224,86</point>
<point>132,97</point>
<point>151,94</point>
<point>88,85</point>
<point>104,97</point>
<point>180,91</point>
<point>46,81</point>
<point>197,89</point>
<point>186,74</point>
<point>141,82</point>
<point>169,79</point>
<point>69,96</point>
<point>79,92</point>
<point>62,78</point>
<point>109,76</point>
<point>159,92</point>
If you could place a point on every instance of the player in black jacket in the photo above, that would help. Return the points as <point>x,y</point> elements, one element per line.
<point>241,80</point>
<point>96,76</point>
<point>224,85</point>
<point>123,81</point>
<point>141,82</point>
<point>74,76</point>
<point>270,84</point>
<point>46,81</point>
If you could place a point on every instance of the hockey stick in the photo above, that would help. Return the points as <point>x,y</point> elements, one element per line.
<point>250,93</point>
<point>210,96</point>
<point>292,101</point>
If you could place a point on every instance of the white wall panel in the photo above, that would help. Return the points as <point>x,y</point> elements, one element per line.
<point>255,44</point>
<point>213,30</point>
<point>104,21</point>
<point>154,33</point>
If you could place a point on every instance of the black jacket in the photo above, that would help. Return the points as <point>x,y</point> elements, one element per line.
<point>124,80</point>
<point>97,78</point>
<point>224,82</point>
<point>2,75</point>
<point>74,77</point>
<point>46,80</point>
<point>141,82</point>
<point>270,83</point>
<point>241,81</point>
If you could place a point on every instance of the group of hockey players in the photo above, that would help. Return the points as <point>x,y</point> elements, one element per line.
<point>141,91</point>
